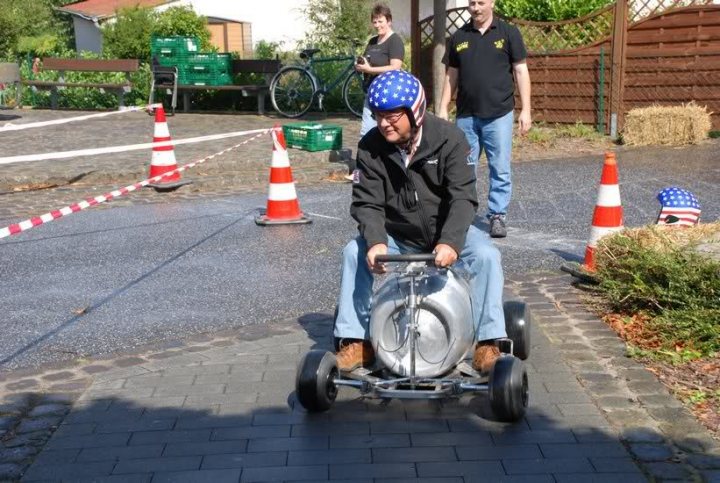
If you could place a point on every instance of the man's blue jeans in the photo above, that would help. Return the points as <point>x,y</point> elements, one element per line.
<point>480,258</point>
<point>494,135</point>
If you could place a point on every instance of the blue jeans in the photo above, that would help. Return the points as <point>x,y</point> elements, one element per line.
<point>480,258</point>
<point>367,121</point>
<point>494,135</point>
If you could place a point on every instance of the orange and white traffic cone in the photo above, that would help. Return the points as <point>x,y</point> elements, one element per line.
<point>608,216</point>
<point>282,206</point>
<point>163,158</point>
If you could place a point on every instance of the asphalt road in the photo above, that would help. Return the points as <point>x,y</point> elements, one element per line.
<point>103,281</point>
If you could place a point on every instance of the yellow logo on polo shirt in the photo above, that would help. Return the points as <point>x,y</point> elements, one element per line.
<point>499,44</point>
<point>462,46</point>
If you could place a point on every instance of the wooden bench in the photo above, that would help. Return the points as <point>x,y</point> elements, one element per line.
<point>127,66</point>
<point>266,67</point>
<point>10,74</point>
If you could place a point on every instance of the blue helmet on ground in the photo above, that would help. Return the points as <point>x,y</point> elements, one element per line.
<point>397,89</point>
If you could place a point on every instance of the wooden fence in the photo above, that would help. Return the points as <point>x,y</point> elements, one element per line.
<point>669,57</point>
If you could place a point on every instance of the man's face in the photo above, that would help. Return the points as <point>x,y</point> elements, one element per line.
<point>394,125</point>
<point>480,10</point>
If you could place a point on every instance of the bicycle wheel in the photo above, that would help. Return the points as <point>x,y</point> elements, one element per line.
<point>353,93</point>
<point>292,91</point>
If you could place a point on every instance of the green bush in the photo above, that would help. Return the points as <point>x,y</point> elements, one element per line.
<point>20,19</point>
<point>548,10</point>
<point>678,289</point>
<point>129,36</point>
<point>185,22</point>
<point>330,20</point>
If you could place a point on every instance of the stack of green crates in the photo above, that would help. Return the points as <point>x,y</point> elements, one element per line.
<point>194,67</point>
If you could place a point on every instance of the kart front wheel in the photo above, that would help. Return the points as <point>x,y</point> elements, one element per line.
<point>508,389</point>
<point>315,381</point>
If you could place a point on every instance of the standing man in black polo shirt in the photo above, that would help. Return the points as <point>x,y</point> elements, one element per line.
<point>484,59</point>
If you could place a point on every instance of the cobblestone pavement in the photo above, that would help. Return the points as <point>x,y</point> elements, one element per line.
<point>222,408</point>
<point>33,188</point>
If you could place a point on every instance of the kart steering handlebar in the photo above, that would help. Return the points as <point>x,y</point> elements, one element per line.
<point>406,258</point>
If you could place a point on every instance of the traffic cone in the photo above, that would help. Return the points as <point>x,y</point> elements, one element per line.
<point>282,205</point>
<point>608,217</point>
<point>163,158</point>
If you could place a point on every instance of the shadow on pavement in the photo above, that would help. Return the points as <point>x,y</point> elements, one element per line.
<point>356,440</point>
<point>567,256</point>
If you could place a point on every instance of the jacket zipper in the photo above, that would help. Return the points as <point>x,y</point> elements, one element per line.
<point>423,220</point>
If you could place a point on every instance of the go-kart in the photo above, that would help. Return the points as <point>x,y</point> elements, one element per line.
<point>422,331</point>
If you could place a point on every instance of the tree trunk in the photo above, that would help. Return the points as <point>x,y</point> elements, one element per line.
<point>438,69</point>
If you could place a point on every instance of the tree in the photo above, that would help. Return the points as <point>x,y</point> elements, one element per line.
<point>185,22</point>
<point>330,20</point>
<point>548,10</point>
<point>36,23</point>
<point>128,37</point>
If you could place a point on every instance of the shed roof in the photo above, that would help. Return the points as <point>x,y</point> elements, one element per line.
<point>107,8</point>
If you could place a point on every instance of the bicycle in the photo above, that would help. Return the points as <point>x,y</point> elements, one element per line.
<point>294,88</point>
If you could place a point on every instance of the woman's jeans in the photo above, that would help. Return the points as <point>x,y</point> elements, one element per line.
<point>494,135</point>
<point>367,120</point>
<point>479,257</point>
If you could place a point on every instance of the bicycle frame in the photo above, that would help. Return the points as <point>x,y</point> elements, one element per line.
<point>299,86</point>
<point>322,87</point>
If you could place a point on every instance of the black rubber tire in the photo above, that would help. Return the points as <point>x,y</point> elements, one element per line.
<point>292,91</point>
<point>517,326</point>
<point>353,93</point>
<point>314,383</point>
<point>508,389</point>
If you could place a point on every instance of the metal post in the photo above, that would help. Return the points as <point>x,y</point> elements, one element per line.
<point>415,37</point>
<point>619,47</point>
<point>413,328</point>
<point>601,93</point>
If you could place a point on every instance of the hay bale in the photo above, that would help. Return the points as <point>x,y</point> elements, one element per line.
<point>659,238</point>
<point>667,125</point>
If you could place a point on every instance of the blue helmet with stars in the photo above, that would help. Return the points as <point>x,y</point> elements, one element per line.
<point>397,89</point>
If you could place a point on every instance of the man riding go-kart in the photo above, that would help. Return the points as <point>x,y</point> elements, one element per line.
<point>413,193</point>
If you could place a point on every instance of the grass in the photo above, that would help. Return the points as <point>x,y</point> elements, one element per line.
<point>548,134</point>
<point>663,295</point>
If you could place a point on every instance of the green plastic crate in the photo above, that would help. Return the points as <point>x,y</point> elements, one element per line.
<point>209,62</point>
<point>313,137</point>
<point>174,45</point>
<point>199,78</point>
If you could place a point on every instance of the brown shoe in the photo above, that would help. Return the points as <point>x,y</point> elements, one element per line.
<point>486,353</point>
<point>354,353</point>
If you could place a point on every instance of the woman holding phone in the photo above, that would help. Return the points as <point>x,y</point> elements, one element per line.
<point>384,52</point>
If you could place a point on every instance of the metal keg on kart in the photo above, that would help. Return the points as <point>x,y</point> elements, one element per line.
<point>422,330</point>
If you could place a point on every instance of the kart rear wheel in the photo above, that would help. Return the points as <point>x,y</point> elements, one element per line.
<point>517,326</point>
<point>508,389</point>
<point>315,381</point>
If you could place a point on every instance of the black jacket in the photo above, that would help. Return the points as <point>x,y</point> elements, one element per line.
<point>432,201</point>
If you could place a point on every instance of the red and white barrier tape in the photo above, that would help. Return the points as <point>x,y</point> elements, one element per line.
<point>55,214</point>
<point>18,127</point>
<point>129,147</point>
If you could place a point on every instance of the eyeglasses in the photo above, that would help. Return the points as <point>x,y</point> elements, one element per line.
<point>390,117</point>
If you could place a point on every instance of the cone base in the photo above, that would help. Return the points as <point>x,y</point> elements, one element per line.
<point>161,187</point>
<point>263,220</point>
<point>579,271</point>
